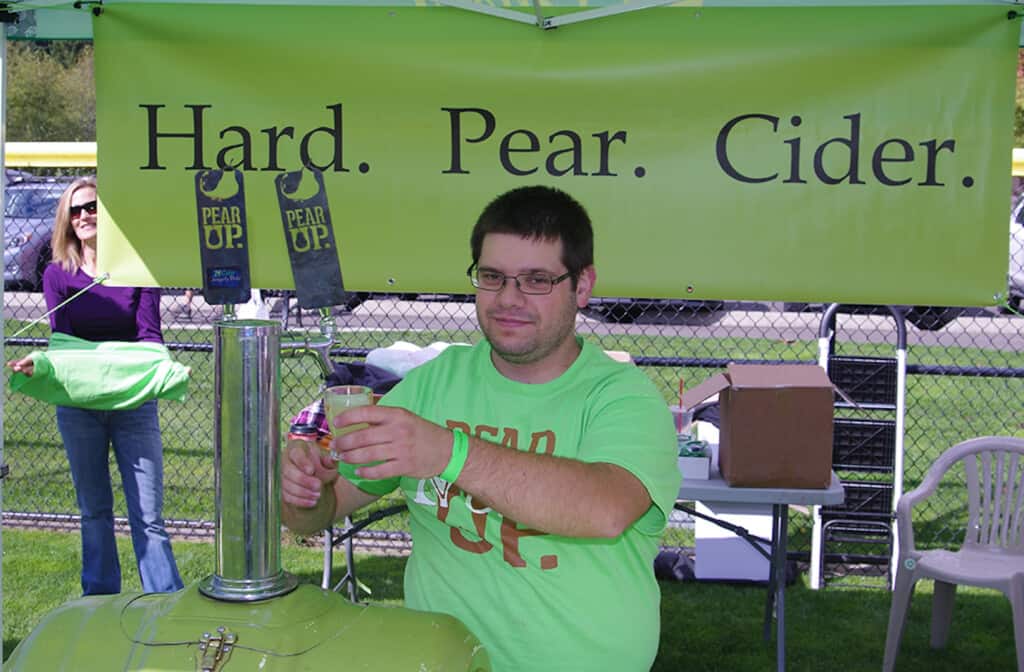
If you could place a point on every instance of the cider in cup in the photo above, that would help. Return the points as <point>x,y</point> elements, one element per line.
<point>341,397</point>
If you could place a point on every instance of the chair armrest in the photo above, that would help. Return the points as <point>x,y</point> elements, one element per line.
<point>904,520</point>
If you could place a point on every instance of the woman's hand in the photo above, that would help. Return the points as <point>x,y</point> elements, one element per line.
<point>24,365</point>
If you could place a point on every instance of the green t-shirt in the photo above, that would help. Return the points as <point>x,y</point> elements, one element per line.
<point>540,602</point>
<point>102,375</point>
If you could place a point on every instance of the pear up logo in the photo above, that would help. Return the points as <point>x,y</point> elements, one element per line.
<point>223,242</point>
<point>309,234</point>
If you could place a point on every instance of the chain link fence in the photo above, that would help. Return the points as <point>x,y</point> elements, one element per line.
<point>965,379</point>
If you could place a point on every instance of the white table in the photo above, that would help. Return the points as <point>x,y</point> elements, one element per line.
<point>714,489</point>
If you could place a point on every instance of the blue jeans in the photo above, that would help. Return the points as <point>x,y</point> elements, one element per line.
<point>135,435</point>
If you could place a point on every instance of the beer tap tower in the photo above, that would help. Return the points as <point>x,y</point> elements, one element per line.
<point>249,614</point>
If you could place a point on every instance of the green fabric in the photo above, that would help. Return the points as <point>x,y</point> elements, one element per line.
<point>843,166</point>
<point>541,602</point>
<point>102,376</point>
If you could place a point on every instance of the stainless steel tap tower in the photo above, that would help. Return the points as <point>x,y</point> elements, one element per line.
<point>247,442</point>
<point>249,615</point>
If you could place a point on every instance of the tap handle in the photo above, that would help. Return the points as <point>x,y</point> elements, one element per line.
<point>328,325</point>
<point>317,346</point>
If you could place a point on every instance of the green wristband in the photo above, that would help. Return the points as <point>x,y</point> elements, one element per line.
<point>460,451</point>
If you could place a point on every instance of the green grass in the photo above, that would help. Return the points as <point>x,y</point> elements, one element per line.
<point>715,628</point>
<point>706,627</point>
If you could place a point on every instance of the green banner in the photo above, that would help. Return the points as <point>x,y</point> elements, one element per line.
<point>856,154</point>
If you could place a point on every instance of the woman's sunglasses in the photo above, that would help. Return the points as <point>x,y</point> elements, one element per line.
<point>76,210</point>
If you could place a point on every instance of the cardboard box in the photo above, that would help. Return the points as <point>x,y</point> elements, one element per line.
<point>776,427</point>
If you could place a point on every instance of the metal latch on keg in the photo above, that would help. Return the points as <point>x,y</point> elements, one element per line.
<point>214,650</point>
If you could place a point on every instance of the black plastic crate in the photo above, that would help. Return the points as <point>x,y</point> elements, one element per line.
<point>863,445</point>
<point>866,380</point>
<point>864,500</point>
<point>858,531</point>
<point>859,559</point>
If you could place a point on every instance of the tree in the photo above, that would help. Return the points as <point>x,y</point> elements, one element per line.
<point>1018,117</point>
<point>51,93</point>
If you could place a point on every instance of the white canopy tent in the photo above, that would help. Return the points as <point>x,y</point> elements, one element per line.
<point>62,19</point>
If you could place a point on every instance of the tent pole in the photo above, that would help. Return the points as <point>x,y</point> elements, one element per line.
<point>538,12</point>
<point>3,207</point>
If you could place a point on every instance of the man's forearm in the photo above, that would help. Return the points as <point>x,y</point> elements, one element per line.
<point>552,494</point>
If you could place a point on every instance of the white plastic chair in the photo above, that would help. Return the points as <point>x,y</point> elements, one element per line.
<point>992,553</point>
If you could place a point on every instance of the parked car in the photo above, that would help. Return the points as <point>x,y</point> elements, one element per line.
<point>1015,273</point>
<point>656,311</point>
<point>29,209</point>
<point>932,318</point>
<point>925,318</point>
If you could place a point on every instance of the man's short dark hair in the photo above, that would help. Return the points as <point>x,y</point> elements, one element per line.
<point>539,213</point>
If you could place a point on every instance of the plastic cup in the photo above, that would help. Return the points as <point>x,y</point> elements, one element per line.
<point>342,397</point>
<point>683,418</point>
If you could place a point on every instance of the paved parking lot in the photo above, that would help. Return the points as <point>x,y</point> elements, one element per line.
<point>737,320</point>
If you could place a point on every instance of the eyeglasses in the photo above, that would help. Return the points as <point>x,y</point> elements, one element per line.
<point>534,282</point>
<point>76,210</point>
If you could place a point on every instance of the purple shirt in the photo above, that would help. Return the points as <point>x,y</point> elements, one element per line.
<point>103,313</point>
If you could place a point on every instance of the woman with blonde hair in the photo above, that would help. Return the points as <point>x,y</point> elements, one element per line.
<point>104,313</point>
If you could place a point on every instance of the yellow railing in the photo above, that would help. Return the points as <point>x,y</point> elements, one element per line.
<point>73,154</point>
<point>50,154</point>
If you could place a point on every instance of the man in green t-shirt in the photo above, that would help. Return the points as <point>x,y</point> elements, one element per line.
<point>539,473</point>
